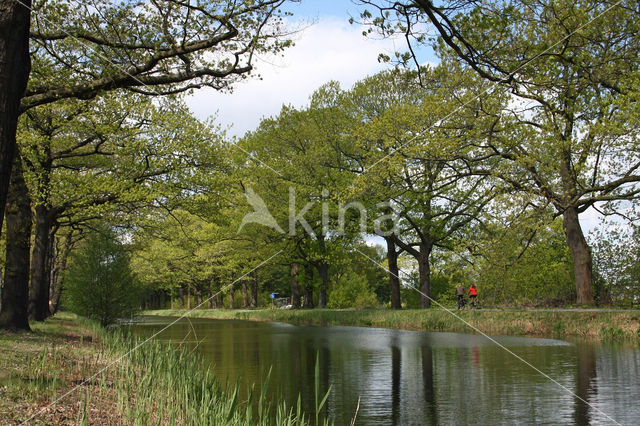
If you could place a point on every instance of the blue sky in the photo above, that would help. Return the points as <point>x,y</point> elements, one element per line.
<point>319,8</point>
<point>329,48</point>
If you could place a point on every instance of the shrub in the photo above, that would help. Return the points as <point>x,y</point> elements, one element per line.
<point>352,291</point>
<point>99,283</point>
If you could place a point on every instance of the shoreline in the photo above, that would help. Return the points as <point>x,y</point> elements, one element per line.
<point>69,370</point>
<point>588,324</point>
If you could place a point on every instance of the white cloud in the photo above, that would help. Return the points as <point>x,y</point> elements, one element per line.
<point>329,50</point>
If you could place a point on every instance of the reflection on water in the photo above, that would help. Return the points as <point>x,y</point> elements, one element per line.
<point>585,375</point>
<point>414,378</point>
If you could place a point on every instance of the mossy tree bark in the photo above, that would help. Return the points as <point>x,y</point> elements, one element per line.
<point>15,66</point>
<point>15,290</point>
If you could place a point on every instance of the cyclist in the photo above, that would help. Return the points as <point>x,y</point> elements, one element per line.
<point>473,294</point>
<point>460,294</point>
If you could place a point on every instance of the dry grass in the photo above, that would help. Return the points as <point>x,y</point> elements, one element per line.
<point>36,368</point>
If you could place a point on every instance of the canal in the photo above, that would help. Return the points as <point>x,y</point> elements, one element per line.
<point>416,378</point>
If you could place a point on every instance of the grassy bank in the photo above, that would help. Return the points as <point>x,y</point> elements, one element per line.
<point>151,385</point>
<point>602,325</point>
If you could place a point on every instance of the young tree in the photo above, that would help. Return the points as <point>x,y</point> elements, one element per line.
<point>516,260</point>
<point>99,282</point>
<point>616,255</point>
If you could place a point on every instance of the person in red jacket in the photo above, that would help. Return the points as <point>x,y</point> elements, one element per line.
<point>473,294</point>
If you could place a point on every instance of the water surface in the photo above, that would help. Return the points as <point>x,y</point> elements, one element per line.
<point>420,378</point>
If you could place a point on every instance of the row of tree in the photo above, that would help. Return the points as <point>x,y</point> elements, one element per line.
<point>64,68</point>
<point>518,125</point>
<point>449,201</point>
<point>462,168</point>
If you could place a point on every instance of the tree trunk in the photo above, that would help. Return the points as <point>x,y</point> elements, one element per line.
<point>15,290</point>
<point>308,296</point>
<point>295,287</point>
<point>51,255</point>
<point>57,271</point>
<point>323,271</point>
<point>254,290</point>
<point>39,290</point>
<point>232,296</point>
<point>15,65</point>
<point>308,289</point>
<point>181,296</point>
<point>245,295</point>
<point>424,269</point>
<point>394,274</point>
<point>581,253</point>
<point>56,294</point>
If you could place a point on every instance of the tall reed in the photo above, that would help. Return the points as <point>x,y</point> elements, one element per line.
<point>159,384</point>
<point>153,384</point>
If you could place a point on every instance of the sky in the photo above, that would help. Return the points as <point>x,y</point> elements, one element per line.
<point>328,48</point>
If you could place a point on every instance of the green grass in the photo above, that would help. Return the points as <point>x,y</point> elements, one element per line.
<point>173,386</point>
<point>154,384</point>
<point>601,325</point>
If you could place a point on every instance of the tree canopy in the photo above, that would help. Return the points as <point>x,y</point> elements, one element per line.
<point>476,169</point>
